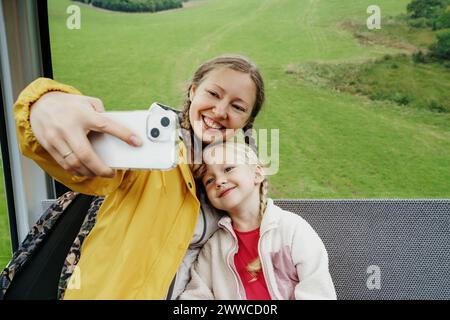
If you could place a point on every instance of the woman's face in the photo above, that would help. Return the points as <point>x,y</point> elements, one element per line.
<point>221,104</point>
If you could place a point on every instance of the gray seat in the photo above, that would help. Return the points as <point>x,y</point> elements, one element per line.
<point>383,249</point>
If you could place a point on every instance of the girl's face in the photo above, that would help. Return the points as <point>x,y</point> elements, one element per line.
<point>231,186</point>
<point>221,104</point>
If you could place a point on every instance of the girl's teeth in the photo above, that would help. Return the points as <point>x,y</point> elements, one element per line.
<point>211,123</point>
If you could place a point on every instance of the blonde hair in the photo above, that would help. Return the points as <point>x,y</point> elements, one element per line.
<point>234,62</point>
<point>250,158</point>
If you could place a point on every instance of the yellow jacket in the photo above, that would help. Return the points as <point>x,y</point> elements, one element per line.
<point>143,228</point>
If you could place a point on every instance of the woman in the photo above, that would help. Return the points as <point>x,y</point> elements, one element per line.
<point>146,223</point>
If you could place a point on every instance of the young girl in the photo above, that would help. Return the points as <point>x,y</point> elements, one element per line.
<point>260,251</point>
<point>148,230</point>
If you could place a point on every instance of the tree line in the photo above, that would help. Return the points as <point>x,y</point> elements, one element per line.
<point>434,14</point>
<point>135,5</point>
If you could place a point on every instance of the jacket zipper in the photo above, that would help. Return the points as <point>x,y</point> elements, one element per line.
<point>239,283</point>
<point>264,267</point>
<point>231,265</point>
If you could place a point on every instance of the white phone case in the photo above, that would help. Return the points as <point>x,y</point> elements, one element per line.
<point>158,130</point>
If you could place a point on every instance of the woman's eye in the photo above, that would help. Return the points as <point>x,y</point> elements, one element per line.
<point>237,107</point>
<point>228,169</point>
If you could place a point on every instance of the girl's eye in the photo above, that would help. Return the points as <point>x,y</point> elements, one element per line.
<point>212,93</point>
<point>228,169</point>
<point>208,181</point>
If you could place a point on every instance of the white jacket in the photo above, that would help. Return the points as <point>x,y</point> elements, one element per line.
<point>293,257</point>
<point>206,226</point>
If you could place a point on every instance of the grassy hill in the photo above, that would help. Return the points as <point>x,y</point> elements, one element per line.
<point>334,144</point>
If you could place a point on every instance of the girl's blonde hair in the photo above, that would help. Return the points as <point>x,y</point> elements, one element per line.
<point>245,155</point>
<point>233,62</point>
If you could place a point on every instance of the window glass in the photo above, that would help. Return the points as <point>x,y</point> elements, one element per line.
<point>361,105</point>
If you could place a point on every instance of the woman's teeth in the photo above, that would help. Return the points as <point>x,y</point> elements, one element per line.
<point>211,123</point>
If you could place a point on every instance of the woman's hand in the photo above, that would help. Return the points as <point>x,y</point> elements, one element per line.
<point>61,122</point>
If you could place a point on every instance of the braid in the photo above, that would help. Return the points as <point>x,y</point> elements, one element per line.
<point>263,197</point>
<point>249,139</point>
<point>185,123</point>
<point>190,140</point>
<point>255,266</point>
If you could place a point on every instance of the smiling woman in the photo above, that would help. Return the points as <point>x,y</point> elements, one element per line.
<point>52,129</point>
<point>222,101</point>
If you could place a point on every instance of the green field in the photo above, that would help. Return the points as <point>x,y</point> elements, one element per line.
<point>334,144</point>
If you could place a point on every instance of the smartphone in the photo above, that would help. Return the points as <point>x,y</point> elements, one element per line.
<point>158,129</point>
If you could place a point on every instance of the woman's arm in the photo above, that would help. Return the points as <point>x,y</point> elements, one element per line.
<point>52,120</point>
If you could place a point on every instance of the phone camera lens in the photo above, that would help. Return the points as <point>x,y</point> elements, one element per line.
<point>165,121</point>
<point>154,133</point>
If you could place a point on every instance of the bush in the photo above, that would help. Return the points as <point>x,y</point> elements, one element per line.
<point>401,99</point>
<point>135,5</point>
<point>429,9</point>
<point>443,21</point>
<point>377,94</point>
<point>436,106</point>
<point>419,57</point>
<point>420,23</point>
<point>443,44</point>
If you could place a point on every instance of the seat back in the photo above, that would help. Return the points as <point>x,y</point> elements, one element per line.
<point>383,249</point>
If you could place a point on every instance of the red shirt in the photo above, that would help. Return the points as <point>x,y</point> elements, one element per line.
<point>247,252</point>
